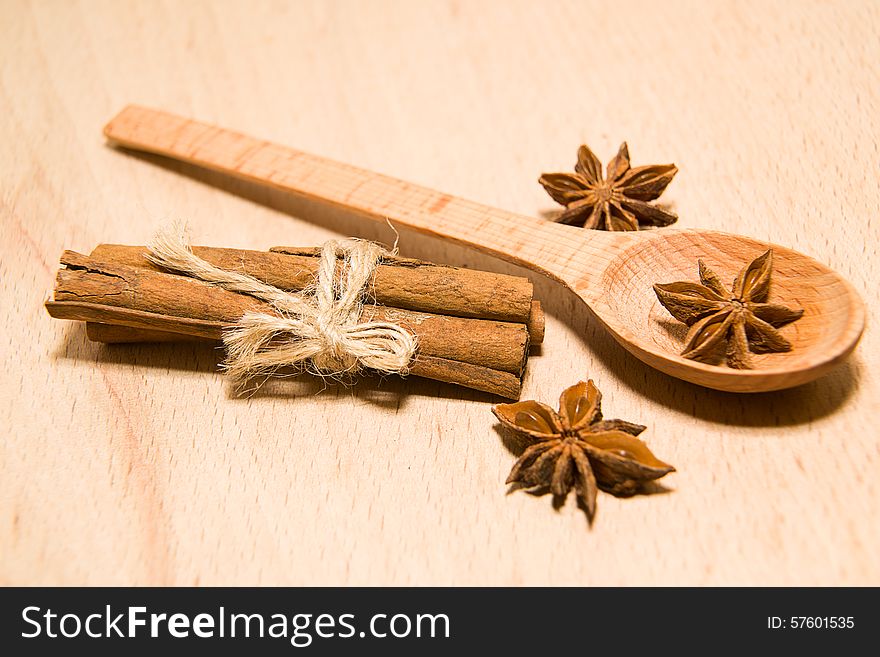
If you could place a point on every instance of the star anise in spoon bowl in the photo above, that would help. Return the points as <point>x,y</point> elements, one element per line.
<point>738,321</point>
<point>617,201</point>
<point>576,448</point>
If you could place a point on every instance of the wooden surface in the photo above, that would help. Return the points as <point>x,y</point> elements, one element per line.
<point>138,465</point>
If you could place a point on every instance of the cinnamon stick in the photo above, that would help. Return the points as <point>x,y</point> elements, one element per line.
<point>496,382</point>
<point>107,292</point>
<point>399,282</point>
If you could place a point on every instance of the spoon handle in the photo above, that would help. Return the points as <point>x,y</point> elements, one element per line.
<point>543,246</point>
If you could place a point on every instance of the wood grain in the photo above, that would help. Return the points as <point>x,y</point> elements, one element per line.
<point>146,469</point>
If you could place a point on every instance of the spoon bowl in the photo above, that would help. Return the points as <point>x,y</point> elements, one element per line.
<point>825,335</point>
<point>613,273</point>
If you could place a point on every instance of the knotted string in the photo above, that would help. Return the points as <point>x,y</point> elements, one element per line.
<point>318,330</point>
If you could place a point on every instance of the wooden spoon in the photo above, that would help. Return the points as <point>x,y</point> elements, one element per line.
<point>611,272</point>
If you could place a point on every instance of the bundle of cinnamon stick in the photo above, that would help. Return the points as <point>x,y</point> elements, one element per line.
<point>474,328</point>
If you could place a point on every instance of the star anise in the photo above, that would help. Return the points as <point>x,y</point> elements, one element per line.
<point>576,447</point>
<point>741,320</point>
<point>619,201</point>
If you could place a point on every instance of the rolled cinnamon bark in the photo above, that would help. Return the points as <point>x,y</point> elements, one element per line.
<point>102,290</point>
<point>398,282</point>
<point>404,289</point>
<point>485,379</point>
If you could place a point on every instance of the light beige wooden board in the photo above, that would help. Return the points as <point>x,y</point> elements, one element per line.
<point>138,465</point>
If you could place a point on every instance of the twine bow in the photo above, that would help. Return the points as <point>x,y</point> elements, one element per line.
<point>318,330</point>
